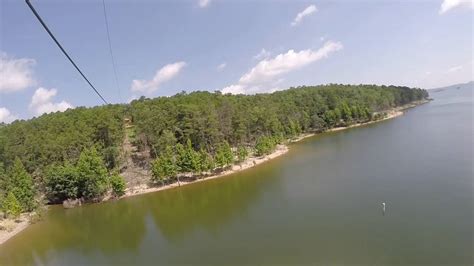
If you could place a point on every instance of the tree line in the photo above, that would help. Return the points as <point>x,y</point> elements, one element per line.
<point>77,153</point>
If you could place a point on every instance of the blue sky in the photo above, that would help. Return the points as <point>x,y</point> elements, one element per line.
<point>164,47</point>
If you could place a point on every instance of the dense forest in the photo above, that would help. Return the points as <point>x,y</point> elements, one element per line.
<point>78,153</point>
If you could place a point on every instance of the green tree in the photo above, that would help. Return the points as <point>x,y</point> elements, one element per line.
<point>92,174</point>
<point>182,163</point>
<point>346,113</point>
<point>11,206</point>
<point>166,139</point>
<point>330,118</point>
<point>3,179</point>
<point>62,182</point>
<point>193,158</point>
<point>187,158</point>
<point>164,167</point>
<point>317,123</point>
<point>224,156</point>
<point>206,160</point>
<point>265,145</point>
<point>118,185</point>
<point>20,183</point>
<point>242,153</point>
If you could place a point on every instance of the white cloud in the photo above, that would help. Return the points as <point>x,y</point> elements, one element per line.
<point>15,74</point>
<point>6,116</point>
<point>268,72</point>
<point>450,4</point>
<point>454,69</point>
<point>268,69</point>
<point>163,75</point>
<point>306,12</point>
<point>41,102</point>
<point>234,89</point>
<point>221,66</point>
<point>262,55</point>
<point>204,3</point>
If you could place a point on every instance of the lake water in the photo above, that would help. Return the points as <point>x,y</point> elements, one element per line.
<point>319,204</point>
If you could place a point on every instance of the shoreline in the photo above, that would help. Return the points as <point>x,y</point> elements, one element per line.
<point>247,164</point>
<point>250,162</point>
<point>391,115</point>
<point>254,161</point>
<point>16,227</point>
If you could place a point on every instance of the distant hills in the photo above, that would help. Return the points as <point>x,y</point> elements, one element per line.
<point>468,85</point>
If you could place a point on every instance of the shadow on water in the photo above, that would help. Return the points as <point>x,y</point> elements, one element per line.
<point>119,227</point>
<point>208,207</point>
<point>87,230</point>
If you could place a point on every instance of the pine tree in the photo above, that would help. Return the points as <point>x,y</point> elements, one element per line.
<point>164,167</point>
<point>118,185</point>
<point>11,206</point>
<point>224,156</point>
<point>242,153</point>
<point>206,160</point>
<point>21,185</point>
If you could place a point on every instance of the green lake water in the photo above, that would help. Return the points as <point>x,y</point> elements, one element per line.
<point>319,204</point>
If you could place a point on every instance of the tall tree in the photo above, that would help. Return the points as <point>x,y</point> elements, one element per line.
<point>224,155</point>
<point>62,182</point>
<point>92,174</point>
<point>20,183</point>
<point>206,160</point>
<point>164,167</point>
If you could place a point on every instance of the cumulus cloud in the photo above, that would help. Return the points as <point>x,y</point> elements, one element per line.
<point>163,75</point>
<point>454,69</point>
<point>15,73</point>
<point>268,69</point>
<point>221,66</point>
<point>306,12</point>
<point>204,3</point>
<point>42,102</point>
<point>234,89</point>
<point>6,116</point>
<point>269,72</point>
<point>262,55</point>
<point>450,4</point>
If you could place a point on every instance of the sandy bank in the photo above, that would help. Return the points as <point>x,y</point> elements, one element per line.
<point>390,115</point>
<point>11,227</point>
<point>248,163</point>
<point>395,112</point>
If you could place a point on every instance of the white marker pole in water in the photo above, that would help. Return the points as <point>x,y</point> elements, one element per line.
<point>383,207</point>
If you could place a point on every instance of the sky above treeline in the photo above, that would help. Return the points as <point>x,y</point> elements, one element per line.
<point>165,47</point>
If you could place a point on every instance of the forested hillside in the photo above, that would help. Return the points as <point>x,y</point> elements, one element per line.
<point>207,119</point>
<point>62,154</point>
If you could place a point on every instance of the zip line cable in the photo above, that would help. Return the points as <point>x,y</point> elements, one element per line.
<point>110,49</point>
<point>62,49</point>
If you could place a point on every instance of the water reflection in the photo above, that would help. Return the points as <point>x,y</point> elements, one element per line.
<point>208,207</point>
<point>113,228</point>
<point>105,228</point>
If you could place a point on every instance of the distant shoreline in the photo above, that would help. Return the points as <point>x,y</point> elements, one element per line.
<point>247,164</point>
